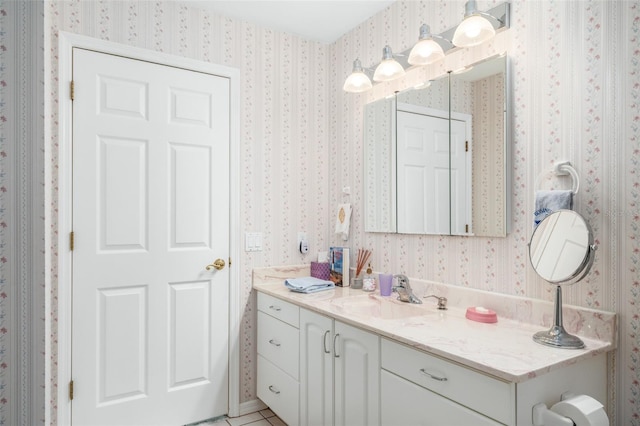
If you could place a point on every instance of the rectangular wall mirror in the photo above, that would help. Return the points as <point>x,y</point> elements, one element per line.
<point>437,158</point>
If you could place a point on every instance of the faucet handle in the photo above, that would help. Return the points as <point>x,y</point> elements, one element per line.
<point>402,280</point>
<point>442,301</point>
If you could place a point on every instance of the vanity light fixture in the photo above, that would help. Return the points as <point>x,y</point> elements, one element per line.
<point>389,69</point>
<point>426,51</point>
<point>475,28</point>
<point>358,81</point>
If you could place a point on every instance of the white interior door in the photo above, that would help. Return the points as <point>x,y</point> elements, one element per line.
<point>150,211</point>
<point>423,173</point>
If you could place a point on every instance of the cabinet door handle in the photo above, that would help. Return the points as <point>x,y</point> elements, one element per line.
<point>275,308</point>
<point>274,390</point>
<point>335,348</point>
<point>438,378</point>
<point>274,343</point>
<point>324,341</point>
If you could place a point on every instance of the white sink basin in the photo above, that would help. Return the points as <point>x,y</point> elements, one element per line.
<point>380,307</point>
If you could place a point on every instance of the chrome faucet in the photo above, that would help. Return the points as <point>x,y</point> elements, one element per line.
<point>405,294</point>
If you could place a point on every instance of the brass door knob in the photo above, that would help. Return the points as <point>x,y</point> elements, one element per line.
<point>217,264</point>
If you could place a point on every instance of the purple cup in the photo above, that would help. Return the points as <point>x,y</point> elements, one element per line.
<point>386,284</point>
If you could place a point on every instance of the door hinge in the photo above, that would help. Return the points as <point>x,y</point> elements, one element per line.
<point>466,228</point>
<point>72,90</point>
<point>466,146</point>
<point>72,240</point>
<point>71,390</point>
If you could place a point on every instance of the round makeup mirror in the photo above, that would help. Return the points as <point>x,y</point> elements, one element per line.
<point>561,252</point>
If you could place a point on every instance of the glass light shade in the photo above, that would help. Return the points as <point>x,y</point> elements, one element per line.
<point>426,52</point>
<point>389,69</point>
<point>357,82</point>
<point>474,30</point>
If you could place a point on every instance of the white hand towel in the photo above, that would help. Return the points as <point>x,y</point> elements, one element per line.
<point>548,202</point>
<point>343,217</point>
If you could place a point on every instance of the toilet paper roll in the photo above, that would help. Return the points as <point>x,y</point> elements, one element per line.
<point>583,410</point>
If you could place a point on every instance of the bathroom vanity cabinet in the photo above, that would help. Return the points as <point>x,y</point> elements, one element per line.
<point>278,355</point>
<point>418,388</point>
<point>334,378</point>
<point>345,358</point>
<point>339,372</point>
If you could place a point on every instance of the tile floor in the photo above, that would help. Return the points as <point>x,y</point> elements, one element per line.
<point>260,418</point>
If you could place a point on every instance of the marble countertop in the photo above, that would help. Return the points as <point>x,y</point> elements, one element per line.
<point>504,349</point>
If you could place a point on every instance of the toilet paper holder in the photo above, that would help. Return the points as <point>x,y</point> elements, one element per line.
<point>580,410</point>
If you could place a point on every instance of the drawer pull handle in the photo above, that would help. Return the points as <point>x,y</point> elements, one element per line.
<point>335,348</point>
<point>274,343</point>
<point>274,390</point>
<point>275,308</point>
<point>440,379</point>
<point>324,341</point>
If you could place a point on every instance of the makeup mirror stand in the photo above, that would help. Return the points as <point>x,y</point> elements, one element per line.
<point>561,252</point>
<point>557,335</point>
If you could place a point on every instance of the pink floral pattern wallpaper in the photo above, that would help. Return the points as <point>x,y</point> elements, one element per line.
<point>576,96</point>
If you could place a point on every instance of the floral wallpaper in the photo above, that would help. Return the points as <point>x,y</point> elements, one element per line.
<point>575,92</point>
<point>576,96</point>
<point>5,326</point>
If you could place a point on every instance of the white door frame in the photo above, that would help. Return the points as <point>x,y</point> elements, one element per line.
<point>67,42</point>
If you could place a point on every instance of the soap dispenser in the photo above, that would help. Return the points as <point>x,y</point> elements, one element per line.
<point>369,281</point>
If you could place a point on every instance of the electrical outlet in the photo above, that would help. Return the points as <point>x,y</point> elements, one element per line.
<point>303,243</point>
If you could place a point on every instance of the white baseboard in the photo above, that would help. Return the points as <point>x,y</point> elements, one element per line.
<point>251,407</point>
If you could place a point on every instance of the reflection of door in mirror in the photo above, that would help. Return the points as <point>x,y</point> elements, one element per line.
<point>423,170</point>
<point>431,160</point>
<point>559,246</point>
<point>460,171</point>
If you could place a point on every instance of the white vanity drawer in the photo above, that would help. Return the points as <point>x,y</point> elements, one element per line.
<point>279,343</point>
<point>407,404</point>
<point>284,311</point>
<point>485,394</point>
<point>278,390</point>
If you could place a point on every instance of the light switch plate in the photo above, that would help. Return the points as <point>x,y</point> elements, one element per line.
<point>253,241</point>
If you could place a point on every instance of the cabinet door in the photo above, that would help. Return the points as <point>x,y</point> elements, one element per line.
<point>316,369</point>
<point>357,383</point>
<point>407,404</point>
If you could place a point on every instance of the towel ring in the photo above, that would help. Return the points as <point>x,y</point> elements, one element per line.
<point>564,168</point>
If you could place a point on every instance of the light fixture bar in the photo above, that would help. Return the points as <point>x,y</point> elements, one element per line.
<point>498,17</point>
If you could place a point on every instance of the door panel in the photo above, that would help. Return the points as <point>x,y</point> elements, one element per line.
<point>423,174</point>
<point>122,323</point>
<point>191,196</point>
<point>123,211</point>
<point>150,211</point>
